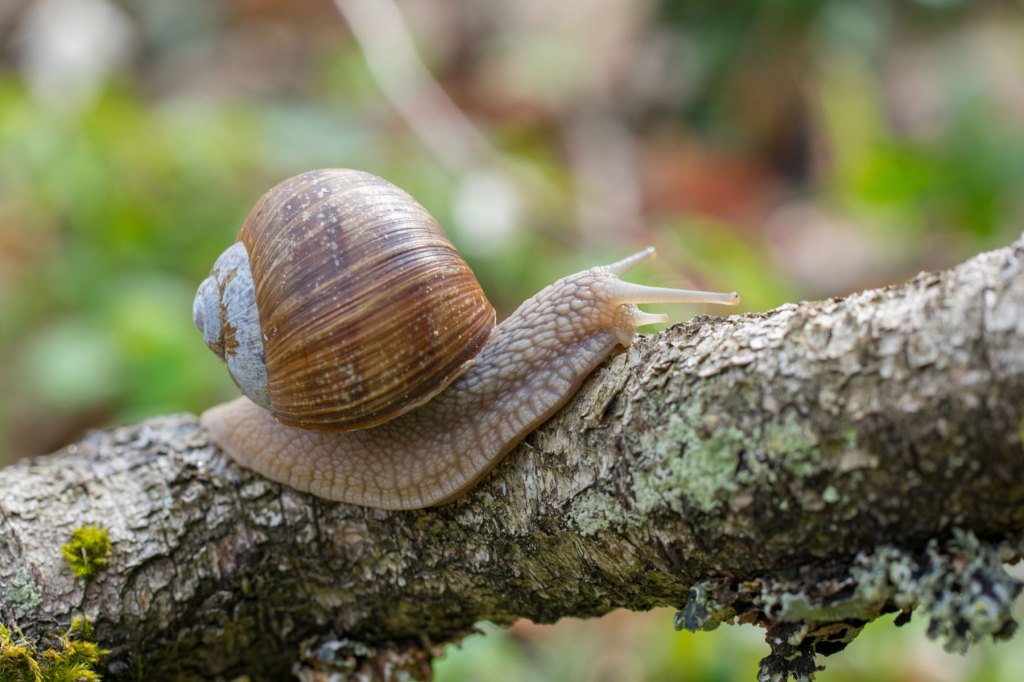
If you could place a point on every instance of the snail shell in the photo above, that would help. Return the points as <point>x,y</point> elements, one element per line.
<point>342,304</point>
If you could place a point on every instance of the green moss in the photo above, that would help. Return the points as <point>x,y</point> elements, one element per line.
<point>74,661</point>
<point>17,658</point>
<point>88,550</point>
<point>22,593</point>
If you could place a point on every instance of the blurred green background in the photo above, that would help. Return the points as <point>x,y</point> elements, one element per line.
<point>787,149</point>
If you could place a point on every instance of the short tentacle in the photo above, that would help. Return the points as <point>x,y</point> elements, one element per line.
<point>621,267</point>
<point>641,318</point>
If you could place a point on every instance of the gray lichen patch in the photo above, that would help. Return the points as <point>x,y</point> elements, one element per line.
<point>830,495</point>
<point>703,610</point>
<point>959,583</point>
<point>23,593</point>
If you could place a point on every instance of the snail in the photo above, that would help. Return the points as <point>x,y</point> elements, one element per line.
<point>371,365</point>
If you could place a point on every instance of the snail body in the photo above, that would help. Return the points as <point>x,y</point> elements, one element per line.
<point>436,447</point>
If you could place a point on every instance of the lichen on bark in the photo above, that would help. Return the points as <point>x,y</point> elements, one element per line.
<point>959,583</point>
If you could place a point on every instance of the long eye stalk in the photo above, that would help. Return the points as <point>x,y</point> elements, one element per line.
<point>627,292</point>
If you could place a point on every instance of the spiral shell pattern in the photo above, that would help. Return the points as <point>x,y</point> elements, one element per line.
<point>364,307</point>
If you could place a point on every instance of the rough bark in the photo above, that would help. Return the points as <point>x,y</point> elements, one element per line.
<point>808,468</point>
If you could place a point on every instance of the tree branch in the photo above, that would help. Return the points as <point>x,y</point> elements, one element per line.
<point>803,468</point>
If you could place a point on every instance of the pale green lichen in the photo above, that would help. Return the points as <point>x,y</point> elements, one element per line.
<point>702,461</point>
<point>701,458</point>
<point>23,593</point>
<point>707,469</point>
<point>701,474</point>
<point>791,446</point>
<point>87,552</point>
<point>797,607</point>
<point>593,512</point>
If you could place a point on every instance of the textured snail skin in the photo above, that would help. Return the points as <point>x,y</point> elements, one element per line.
<point>532,364</point>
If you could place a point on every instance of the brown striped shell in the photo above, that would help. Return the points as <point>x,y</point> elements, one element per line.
<point>364,308</point>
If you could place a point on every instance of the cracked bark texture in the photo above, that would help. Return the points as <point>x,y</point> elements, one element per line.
<point>722,456</point>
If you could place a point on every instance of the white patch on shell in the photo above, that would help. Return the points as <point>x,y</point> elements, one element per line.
<point>206,315</point>
<point>228,295</point>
